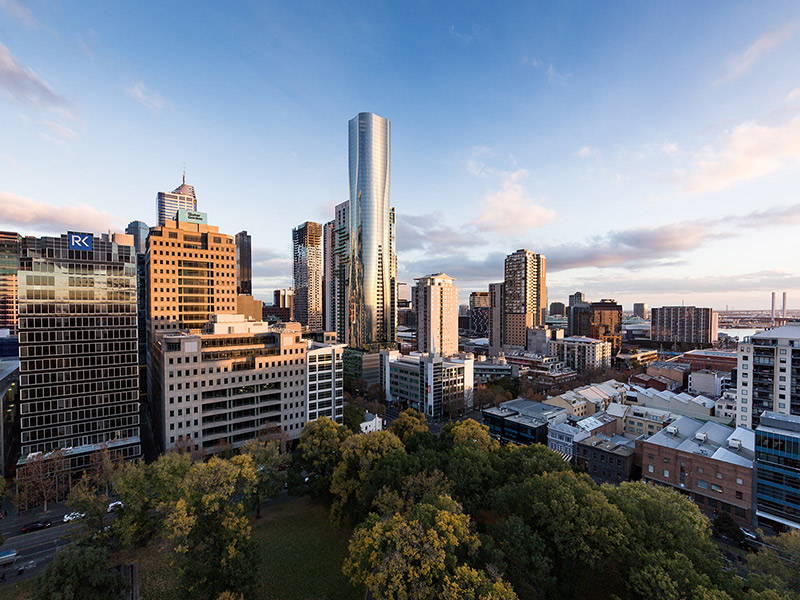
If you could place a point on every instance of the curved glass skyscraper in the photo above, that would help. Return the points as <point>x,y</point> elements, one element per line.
<point>372,265</point>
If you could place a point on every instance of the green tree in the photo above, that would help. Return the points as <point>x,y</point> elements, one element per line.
<point>470,584</point>
<point>320,451</point>
<point>134,486</point>
<point>85,498</point>
<point>79,573</point>
<point>353,416</point>
<point>518,463</point>
<point>409,422</point>
<point>469,433</point>
<point>267,460</point>
<point>42,479</point>
<point>209,530</point>
<point>167,475</point>
<point>775,568</point>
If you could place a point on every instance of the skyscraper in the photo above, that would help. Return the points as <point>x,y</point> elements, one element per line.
<point>244,264</point>
<point>371,296</point>
<point>9,264</point>
<point>139,230</point>
<point>606,323</point>
<point>683,324</point>
<point>168,204</point>
<point>641,310</point>
<point>525,295</point>
<point>479,306</point>
<point>307,244</point>
<point>436,304</point>
<point>328,304</point>
<point>340,271</point>
<point>496,318</point>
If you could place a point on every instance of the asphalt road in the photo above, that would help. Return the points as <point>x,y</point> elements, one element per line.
<point>35,550</point>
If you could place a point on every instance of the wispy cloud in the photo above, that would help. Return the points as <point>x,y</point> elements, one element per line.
<point>586,152</point>
<point>462,38</point>
<point>511,209</point>
<point>61,130</point>
<point>530,61</point>
<point>768,42</point>
<point>19,12</point>
<point>23,85</point>
<point>29,215</point>
<point>748,151</point>
<point>432,234</point>
<point>556,77</point>
<point>153,101</point>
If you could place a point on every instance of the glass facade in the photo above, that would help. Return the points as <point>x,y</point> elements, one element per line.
<point>9,263</point>
<point>78,349</point>
<point>307,245</point>
<point>778,467</point>
<point>244,264</point>
<point>372,266</point>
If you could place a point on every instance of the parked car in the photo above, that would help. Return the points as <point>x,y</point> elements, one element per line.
<point>115,506</point>
<point>35,526</point>
<point>73,515</point>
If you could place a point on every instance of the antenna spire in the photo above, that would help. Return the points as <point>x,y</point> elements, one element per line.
<point>184,173</point>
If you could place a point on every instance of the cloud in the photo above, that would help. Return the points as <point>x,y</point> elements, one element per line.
<point>763,45</point>
<point>530,61</point>
<point>36,216</point>
<point>23,85</point>
<point>153,101</point>
<point>556,78</point>
<point>270,264</point>
<point>432,234</point>
<point>19,12</point>
<point>62,130</point>
<point>749,151</point>
<point>670,149</point>
<point>465,270</point>
<point>586,152</point>
<point>463,38</point>
<point>510,209</point>
<point>475,164</point>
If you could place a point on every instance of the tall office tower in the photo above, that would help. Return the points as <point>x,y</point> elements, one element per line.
<point>496,318</point>
<point>577,298</point>
<point>777,470</point>
<point>436,305</point>
<point>324,382</point>
<point>579,319</point>
<point>77,346</point>
<point>641,310</point>
<point>557,309</point>
<point>307,245</point>
<point>191,274</point>
<point>9,264</point>
<point>606,323</point>
<point>683,324</point>
<point>479,307</point>
<point>244,264</point>
<point>169,203</point>
<point>525,295</point>
<point>371,295</point>
<point>341,271</point>
<point>328,305</point>
<point>139,230</point>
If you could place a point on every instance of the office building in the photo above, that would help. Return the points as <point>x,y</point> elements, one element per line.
<point>496,318</point>
<point>328,304</point>
<point>234,381</point>
<point>191,273</point>
<point>340,270</point>
<point>577,298</point>
<point>9,409</point>
<point>324,381</point>
<point>579,318</point>
<point>778,470</point>
<point>169,203</point>
<point>307,251</point>
<point>641,310</point>
<point>768,374</point>
<point>522,421</point>
<point>525,295</point>
<point>479,306</point>
<point>606,323</point>
<point>432,385</point>
<point>371,295</point>
<point>582,353</point>
<point>436,305</point>
<point>708,359</point>
<point>683,325</point>
<point>244,264</point>
<point>557,309</point>
<point>282,309</point>
<point>78,348</point>
<point>139,230</point>
<point>9,264</point>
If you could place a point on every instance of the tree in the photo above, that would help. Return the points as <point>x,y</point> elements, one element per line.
<point>85,498</point>
<point>209,530</point>
<point>167,475</point>
<point>353,416</point>
<point>267,460</point>
<point>79,573</point>
<point>42,479</point>
<point>133,484</point>
<point>470,584</point>
<point>469,433</point>
<point>774,571</point>
<point>409,423</point>
<point>419,555</point>
<point>518,463</point>
<point>320,450</point>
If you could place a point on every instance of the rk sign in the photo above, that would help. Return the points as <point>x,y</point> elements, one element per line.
<point>80,241</point>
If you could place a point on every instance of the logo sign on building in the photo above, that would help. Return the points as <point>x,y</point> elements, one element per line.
<point>80,241</point>
<point>191,216</point>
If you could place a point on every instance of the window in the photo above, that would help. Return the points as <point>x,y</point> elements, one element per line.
<point>699,469</point>
<point>719,475</point>
<point>716,488</point>
<point>666,472</point>
<point>702,484</point>
<point>738,495</point>
<point>739,481</point>
<point>650,468</point>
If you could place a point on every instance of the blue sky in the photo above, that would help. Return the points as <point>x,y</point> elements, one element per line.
<point>650,150</point>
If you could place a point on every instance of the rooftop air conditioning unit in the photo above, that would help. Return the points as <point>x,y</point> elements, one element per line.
<point>673,429</point>
<point>735,444</point>
<point>701,436</point>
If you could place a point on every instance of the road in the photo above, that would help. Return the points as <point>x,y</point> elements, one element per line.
<point>35,550</point>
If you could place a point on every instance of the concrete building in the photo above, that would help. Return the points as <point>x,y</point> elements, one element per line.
<point>339,265</point>
<point>328,304</point>
<point>479,307</point>
<point>606,323</point>
<point>371,423</point>
<point>78,362</point>
<point>709,462</point>
<point>522,421</point>
<point>486,369</point>
<point>778,470</point>
<point>713,360</point>
<point>429,384</point>
<point>582,353</point>
<point>169,203</point>
<point>251,308</point>
<point>557,309</point>
<point>244,264</point>
<point>630,357</point>
<point>234,381</point>
<point>325,380</point>
<point>680,403</point>
<point>641,310</point>
<point>436,305</point>
<point>678,372</point>
<point>708,383</point>
<point>539,338</point>
<point>525,295</point>
<point>683,325</point>
<point>9,265</point>
<point>307,247</point>
<point>607,459</point>
<point>496,318</point>
<point>768,374</point>
<point>577,298</point>
<point>282,309</point>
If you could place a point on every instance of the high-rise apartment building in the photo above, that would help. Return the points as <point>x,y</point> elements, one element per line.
<point>582,353</point>
<point>139,230</point>
<point>641,310</point>
<point>169,203</point>
<point>683,324</point>
<point>496,318</point>
<point>436,304</point>
<point>191,273</point>
<point>340,271</point>
<point>371,294</point>
<point>525,295</point>
<point>78,348</point>
<point>328,304</point>
<point>244,264</point>
<point>403,295</point>
<point>557,309</point>
<point>579,318</point>
<point>606,323</point>
<point>324,382</point>
<point>9,265</point>
<point>577,298</point>
<point>307,246</point>
<point>479,306</point>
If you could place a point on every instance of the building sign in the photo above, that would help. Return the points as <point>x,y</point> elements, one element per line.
<point>80,241</point>
<point>191,216</point>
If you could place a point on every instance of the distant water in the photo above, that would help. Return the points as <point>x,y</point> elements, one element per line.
<point>740,333</point>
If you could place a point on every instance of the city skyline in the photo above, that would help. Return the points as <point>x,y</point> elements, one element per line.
<point>635,188</point>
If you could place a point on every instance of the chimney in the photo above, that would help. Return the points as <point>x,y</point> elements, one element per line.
<point>772,311</point>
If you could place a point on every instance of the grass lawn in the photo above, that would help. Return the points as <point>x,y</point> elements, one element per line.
<point>18,591</point>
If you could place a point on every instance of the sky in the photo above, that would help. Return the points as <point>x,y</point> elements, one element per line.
<point>650,150</point>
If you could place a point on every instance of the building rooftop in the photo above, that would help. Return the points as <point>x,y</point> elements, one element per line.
<point>719,442</point>
<point>789,331</point>
<point>615,445</point>
<point>777,423</point>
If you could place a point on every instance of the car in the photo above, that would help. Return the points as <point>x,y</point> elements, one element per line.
<point>35,526</point>
<point>115,506</point>
<point>73,515</point>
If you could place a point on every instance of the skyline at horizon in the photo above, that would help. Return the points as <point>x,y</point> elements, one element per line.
<point>535,127</point>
